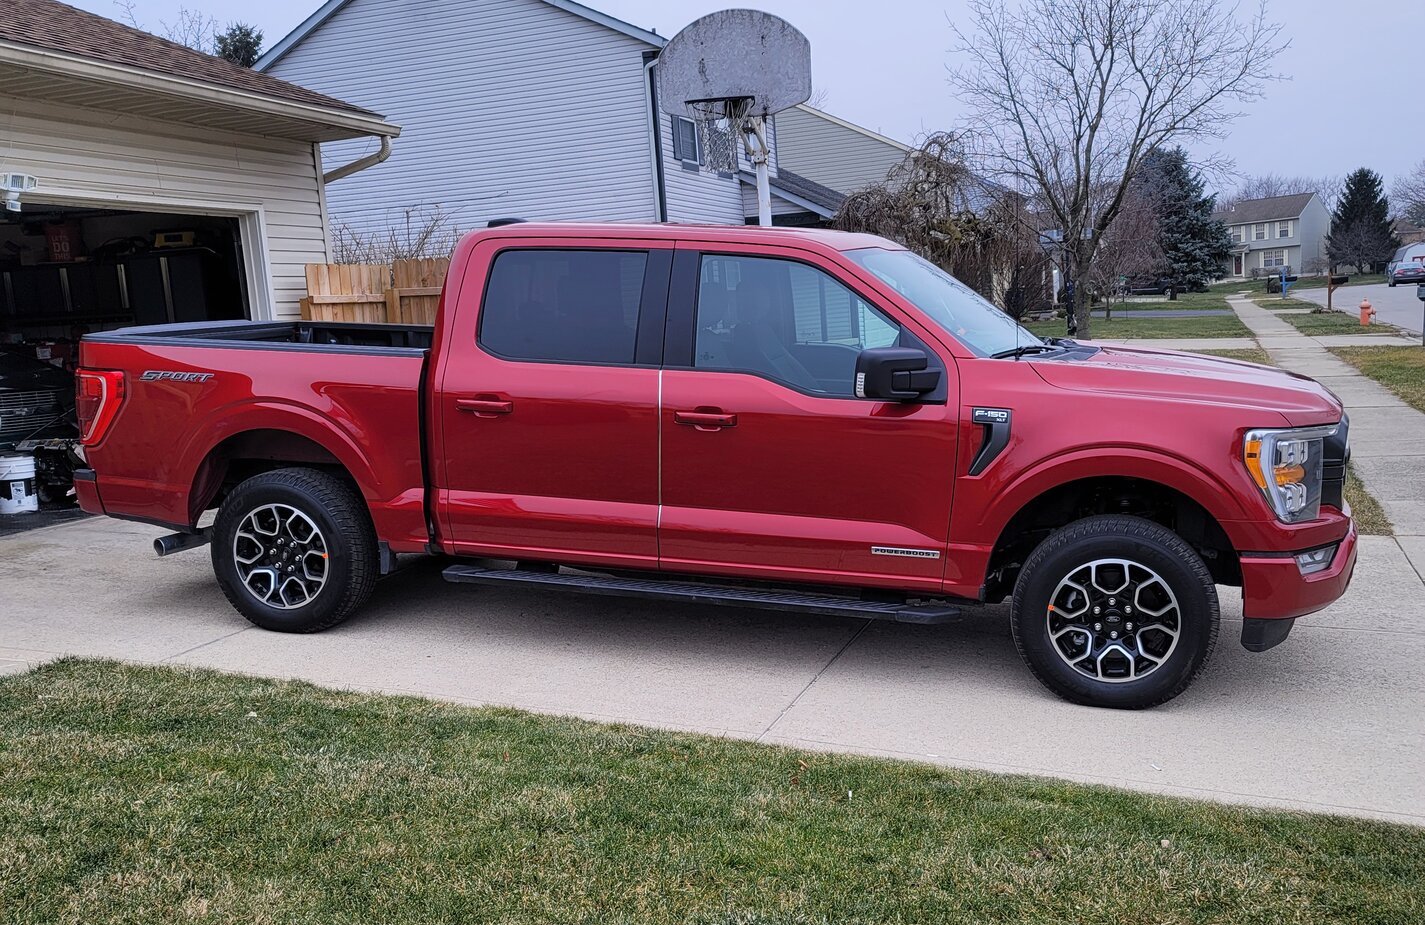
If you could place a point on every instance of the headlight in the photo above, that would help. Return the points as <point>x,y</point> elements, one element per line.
<point>1286,465</point>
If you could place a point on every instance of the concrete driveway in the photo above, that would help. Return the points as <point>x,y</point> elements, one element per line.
<point>1396,306</point>
<point>1331,721</point>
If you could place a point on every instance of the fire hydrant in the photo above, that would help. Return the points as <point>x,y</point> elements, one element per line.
<point>1368,314</point>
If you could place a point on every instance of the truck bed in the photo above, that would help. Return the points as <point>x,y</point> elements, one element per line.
<point>327,336</point>
<point>207,402</point>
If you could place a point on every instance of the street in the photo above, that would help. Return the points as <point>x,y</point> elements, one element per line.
<point>1397,306</point>
<point>1329,721</point>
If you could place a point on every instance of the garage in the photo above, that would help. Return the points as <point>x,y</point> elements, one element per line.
<point>143,183</point>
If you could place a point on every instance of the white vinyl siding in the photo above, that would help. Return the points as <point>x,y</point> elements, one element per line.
<point>697,195</point>
<point>829,153</point>
<point>780,206</point>
<point>507,108</point>
<point>87,157</point>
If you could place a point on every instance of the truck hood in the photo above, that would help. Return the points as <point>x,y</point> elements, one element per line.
<point>1192,377</point>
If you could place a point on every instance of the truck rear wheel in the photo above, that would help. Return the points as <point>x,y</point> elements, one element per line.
<point>1115,611</point>
<point>294,550</point>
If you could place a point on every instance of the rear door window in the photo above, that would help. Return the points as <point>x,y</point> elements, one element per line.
<point>569,306</point>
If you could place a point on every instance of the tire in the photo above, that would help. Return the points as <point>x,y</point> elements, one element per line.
<point>1144,665</point>
<point>294,550</point>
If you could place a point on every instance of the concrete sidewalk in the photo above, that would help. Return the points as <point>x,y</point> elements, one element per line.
<point>1329,721</point>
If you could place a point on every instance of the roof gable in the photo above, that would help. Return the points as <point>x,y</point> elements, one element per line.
<point>58,27</point>
<point>1252,211</point>
<point>331,7</point>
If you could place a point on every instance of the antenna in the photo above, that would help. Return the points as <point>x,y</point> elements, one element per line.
<point>728,72</point>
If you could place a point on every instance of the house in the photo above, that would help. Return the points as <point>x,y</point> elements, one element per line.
<point>539,109</point>
<point>834,153</point>
<point>1275,233</point>
<point>1408,232</point>
<point>167,185</point>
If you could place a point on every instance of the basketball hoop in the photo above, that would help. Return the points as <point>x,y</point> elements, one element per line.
<point>729,72</point>
<point>721,123</point>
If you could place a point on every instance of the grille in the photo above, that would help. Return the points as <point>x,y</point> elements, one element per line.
<point>22,413</point>
<point>1336,452</point>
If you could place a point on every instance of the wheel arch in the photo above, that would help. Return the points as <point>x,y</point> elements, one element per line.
<point>1166,494</point>
<point>248,452</point>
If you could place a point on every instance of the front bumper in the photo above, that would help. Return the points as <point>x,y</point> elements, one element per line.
<point>1273,587</point>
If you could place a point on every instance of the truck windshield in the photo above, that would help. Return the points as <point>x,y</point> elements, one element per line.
<point>945,300</point>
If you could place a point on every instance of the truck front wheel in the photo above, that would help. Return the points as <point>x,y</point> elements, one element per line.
<point>1115,611</point>
<point>294,550</point>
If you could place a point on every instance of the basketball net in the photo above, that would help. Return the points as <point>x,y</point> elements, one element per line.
<point>724,126</point>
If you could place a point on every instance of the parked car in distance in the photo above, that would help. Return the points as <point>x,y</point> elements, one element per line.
<point>795,419</point>
<point>1407,265</point>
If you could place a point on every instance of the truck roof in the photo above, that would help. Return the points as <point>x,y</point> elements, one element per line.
<point>739,234</point>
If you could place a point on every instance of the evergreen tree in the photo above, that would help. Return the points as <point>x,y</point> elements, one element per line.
<point>1360,229</point>
<point>1194,245</point>
<point>239,43</point>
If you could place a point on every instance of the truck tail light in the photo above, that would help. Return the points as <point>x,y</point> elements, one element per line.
<point>98,395</point>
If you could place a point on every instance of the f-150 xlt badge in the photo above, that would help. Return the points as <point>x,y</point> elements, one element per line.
<point>165,375</point>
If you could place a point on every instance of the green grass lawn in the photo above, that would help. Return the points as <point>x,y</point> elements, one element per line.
<point>1187,301</point>
<point>1249,355</point>
<point>157,795</point>
<point>1303,282</point>
<point>1365,509</point>
<point>1120,328</point>
<point>1400,369</point>
<point>1334,322</point>
<point>1276,301</point>
<point>1319,282</point>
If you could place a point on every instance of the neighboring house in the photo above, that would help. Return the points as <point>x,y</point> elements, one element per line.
<point>834,153</point>
<point>1407,231</point>
<point>170,185</point>
<point>1275,233</point>
<point>537,109</point>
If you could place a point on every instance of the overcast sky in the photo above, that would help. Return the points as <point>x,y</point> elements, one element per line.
<point>1357,77</point>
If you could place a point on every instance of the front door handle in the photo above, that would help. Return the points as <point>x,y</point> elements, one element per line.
<point>705,419</point>
<point>485,406</point>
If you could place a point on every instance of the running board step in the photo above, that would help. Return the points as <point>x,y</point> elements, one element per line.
<point>692,592</point>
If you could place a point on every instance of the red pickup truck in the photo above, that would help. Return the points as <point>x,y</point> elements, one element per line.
<point>802,420</point>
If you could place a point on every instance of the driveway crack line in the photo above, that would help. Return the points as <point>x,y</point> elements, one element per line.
<point>816,677</point>
<point>169,658</point>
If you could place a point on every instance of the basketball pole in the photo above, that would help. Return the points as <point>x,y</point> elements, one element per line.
<point>757,128</point>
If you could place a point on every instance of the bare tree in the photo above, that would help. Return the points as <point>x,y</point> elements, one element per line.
<point>417,231</point>
<point>1362,244</point>
<point>1068,96</point>
<point>1408,194</point>
<point>933,204</point>
<point>1129,248</point>
<point>193,28</point>
<point>1267,185</point>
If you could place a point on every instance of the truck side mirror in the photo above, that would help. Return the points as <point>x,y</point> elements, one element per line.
<point>895,374</point>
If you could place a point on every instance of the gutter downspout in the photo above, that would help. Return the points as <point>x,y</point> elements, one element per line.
<point>361,163</point>
<point>655,143</point>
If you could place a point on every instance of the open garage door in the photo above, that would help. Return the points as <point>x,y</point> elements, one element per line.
<point>67,271</point>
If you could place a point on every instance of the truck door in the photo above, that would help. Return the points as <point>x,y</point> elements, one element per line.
<point>547,402</point>
<point>772,468</point>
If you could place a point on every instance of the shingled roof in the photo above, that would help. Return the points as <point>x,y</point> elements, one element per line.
<point>1248,211</point>
<point>58,27</point>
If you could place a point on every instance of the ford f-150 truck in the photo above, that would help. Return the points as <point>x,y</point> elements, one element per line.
<point>802,420</point>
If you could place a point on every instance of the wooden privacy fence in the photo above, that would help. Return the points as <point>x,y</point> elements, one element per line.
<point>406,292</point>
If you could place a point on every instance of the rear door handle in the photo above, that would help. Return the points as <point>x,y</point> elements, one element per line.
<point>705,420</point>
<point>484,407</point>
